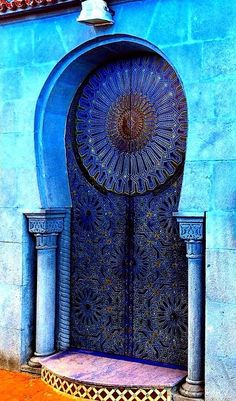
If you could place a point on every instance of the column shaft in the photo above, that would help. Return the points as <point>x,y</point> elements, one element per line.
<point>195,315</point>
<point>46,294</point>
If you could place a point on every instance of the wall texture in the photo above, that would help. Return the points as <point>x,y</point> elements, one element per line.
<point>198,39</point>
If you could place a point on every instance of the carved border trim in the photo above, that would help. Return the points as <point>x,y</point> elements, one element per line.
<point>63,286</point>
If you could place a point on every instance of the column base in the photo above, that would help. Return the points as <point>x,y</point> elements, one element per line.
<point>30,369</point>
<point>191,389</point>
<point>176,396</point>
<point>34,365</point>
<point>35,362</point>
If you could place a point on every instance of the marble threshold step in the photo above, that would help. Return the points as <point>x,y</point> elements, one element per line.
<point>100,378</point>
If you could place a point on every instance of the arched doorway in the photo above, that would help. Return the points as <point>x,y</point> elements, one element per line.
<point>125,142</point>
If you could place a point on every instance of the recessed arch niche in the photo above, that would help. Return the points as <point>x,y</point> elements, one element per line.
<point>51,118</point>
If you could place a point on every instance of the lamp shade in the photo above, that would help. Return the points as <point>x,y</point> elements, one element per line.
<point>95,12</point>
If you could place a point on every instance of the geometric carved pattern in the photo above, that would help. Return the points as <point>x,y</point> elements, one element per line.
<point>128,265</point>
<point>63,283</point>
<point>130,125</point>
<point>45,224</point>
<point>191,230</point>
<point>101,393</point>
<point>160,294</point>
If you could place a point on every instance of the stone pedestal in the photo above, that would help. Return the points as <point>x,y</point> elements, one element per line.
<point>45,226</point>
<point>192,231</point>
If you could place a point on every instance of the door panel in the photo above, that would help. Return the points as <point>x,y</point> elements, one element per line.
<point>98,261</point>
<point>160,279</point>
<point>125,146</point>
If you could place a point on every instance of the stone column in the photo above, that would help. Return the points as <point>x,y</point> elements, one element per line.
<point>45,226</point>
<point>192,231</point>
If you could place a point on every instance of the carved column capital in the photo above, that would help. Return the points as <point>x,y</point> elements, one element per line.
<point>192,232</point>
<point>191,228</point>
<point>46,222</point>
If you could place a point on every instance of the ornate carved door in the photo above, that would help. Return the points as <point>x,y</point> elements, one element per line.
<point>125,146</point>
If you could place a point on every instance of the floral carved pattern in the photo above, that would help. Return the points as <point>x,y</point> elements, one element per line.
<point>172,314</point>
<point>89,212</point>
<point>89,308</point>
<point>131,125</point>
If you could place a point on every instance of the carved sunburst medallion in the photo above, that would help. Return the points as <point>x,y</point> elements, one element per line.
<point>130,127</point>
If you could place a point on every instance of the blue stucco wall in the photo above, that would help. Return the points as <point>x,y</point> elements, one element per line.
<point>198,39</point>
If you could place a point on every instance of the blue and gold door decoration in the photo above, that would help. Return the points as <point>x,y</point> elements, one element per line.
<point>125,144</point>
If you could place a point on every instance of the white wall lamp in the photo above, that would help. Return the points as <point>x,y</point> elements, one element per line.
<point>95,12</point>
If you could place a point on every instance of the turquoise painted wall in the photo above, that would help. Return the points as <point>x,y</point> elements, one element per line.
<point>198,39</point>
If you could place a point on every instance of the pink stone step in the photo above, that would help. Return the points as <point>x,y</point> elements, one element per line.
<point>103,371</point>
